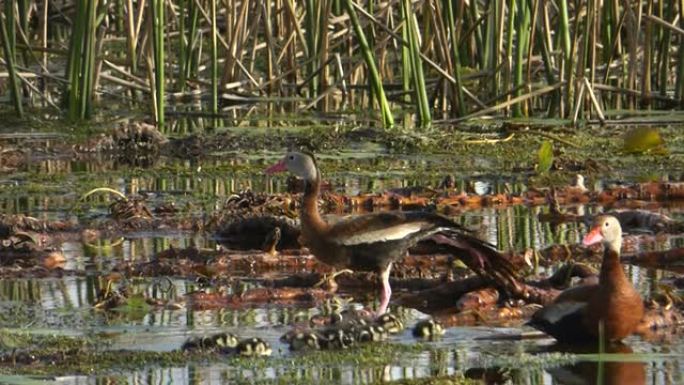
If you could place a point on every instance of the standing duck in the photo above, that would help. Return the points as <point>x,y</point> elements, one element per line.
<point>577,313</point>
<point>370,242</point>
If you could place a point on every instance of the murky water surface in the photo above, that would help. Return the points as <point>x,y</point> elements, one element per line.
<point>49,187</point>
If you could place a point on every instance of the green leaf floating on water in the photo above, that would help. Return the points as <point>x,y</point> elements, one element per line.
<point>545,157</point>
<point>135,306</point>
<point>644,140</point>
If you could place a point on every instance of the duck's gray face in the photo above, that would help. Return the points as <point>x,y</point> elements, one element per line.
<point>299,164</point>
<point>606,228</point>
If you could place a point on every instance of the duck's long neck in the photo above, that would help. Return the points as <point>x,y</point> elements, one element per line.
<point>310,216</point>
<point>611,269</point>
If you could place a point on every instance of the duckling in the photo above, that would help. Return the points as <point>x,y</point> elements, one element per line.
<point>390,322</point>
<point>428,329</point>
<point>356,317</point>
<point>336,338</point>
<point>317,320</point>
<point>198,343</point>
<point>252,347</point>
<point>371,333</point>
<point>225,342</point>
<point>306,340</point>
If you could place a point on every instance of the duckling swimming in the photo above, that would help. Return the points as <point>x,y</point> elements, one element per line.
<point>253,347</point>
<point>428,329</point>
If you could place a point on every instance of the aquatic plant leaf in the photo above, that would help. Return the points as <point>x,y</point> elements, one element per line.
<point>545,157</point>
<point>644,140</point>
<point>135,305</point>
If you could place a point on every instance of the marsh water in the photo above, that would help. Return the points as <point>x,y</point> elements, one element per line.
<point>49,183</point>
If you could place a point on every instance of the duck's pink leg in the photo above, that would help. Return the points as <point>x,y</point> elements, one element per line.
<point>385,291</point>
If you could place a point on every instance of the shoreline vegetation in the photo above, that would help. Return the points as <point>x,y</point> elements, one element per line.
<point>440,62</point>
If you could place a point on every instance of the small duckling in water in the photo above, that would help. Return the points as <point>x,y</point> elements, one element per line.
<point>198,343</point>
<point>306,340</point>
<point>225,342</point>
<point>371,333</point>
<point>336,338</point>
<point>253,347</point>
<point>391,323</point>
<point>428,329</point>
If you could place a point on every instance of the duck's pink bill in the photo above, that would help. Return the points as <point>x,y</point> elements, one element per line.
<point>278,167</point>
<point>593,237</point>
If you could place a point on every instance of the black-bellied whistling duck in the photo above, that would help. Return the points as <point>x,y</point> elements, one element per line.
<point>577,313</point>
<point>370,242</point>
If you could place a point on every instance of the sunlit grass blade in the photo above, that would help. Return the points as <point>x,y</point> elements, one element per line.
<point>374,76</point>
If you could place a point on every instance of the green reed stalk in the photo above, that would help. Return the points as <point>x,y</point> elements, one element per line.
<point>647,58</point>
<point>475,17</point>
<point>312,45</point>
<point>182,46</point>
<point>489,36</point>
<point>131,37</point>
<point>523,39</point>
<point>374,76</point>
<point>191,62</point>
<point>608,27</point>
<point>370,33</point>
<point>270,46</point>
<point>582,64</point>
<point>120,8</point>
<point>406,73</point>
<point>422,103</point>
<point>214,60</point>
<point>23,7</point>
<point>566,62</point>
<point>507,80</point>
<point>158,54</point>
<point>456,58</point>
<point>15,91</point>
<point>665,42</point>
<point>564,29</point>
<point>10,26</point>
<point>679,85</point>
<point>80,71</point>
<point>497,44</point>
<point>543,41</point>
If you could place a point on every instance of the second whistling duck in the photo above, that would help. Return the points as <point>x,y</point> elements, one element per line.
<point>370,242</point>
<point>577,313</point>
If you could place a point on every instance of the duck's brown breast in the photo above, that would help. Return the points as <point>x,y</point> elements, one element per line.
<point>620,310</point>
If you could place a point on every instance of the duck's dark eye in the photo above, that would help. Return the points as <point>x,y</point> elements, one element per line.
<point>291,157</point>
<point>606,224</point>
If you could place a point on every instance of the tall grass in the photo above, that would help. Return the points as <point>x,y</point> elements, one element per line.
<point>9,51</point>
<point>80,69</point>
<point>447,61</point>
<point>159,53</point>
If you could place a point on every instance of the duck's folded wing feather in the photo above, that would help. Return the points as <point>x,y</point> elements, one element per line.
<point>382,227</point>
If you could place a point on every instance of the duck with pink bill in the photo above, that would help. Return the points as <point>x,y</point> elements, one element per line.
<point>368,242</point>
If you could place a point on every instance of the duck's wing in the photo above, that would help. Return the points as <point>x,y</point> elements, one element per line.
<point>387,226</point>
<point>580,293</point>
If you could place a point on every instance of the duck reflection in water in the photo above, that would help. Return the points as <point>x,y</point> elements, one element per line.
<point>606,372</point>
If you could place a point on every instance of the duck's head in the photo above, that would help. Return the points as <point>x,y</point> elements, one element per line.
<point>298,163</point>
<point>606,229</point>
